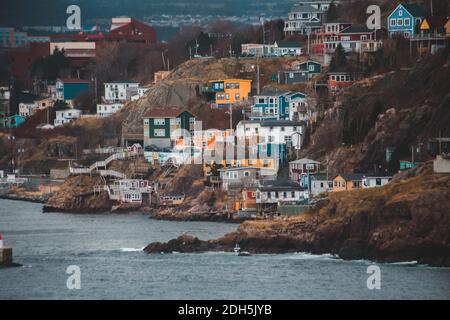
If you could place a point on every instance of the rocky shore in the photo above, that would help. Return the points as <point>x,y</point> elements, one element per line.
<point>407,220</point>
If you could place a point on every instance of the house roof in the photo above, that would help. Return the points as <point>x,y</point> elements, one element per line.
<point>350,176</point>
<point>166,112</point>
<point>122,81</point>
<point>322,176</point>
<point>356,29</point>
<point>272,93</point>
<point>299,7</point>
<point>288,44</point>
<point>278,185</point>
<point>414,9</point>
<point>274,123</point>
<point>239,168</point>
<point>304,161</point>
<point>72,80</point>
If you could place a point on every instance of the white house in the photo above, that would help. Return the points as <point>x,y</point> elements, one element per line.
<point>107,109</point>
<point>298,109</point>
<point>287,48</point>
<point>271,131</point>
<point>117,90</point>
<point>304,18</point>
<point>66,115</point>
<point>277,192</point>
<point>27,109</point>
<point>320,184</point>
<point>377,180</point>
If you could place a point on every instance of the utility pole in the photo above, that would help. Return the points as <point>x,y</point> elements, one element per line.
<point>258,88</point>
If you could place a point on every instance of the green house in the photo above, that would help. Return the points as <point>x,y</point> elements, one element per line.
<point>164,127</point>
<point>405,165</point>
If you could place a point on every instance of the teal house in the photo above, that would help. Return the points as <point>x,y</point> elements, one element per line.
<point>14,121</point>
<point>164,128</point>
<point>69,88</point>
<point>273,105</point>
<point>405,20</point>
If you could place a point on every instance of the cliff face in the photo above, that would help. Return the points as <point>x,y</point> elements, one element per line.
<point>407,220</point>
<point>77,195</point>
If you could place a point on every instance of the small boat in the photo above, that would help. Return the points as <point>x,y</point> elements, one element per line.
<point>237,250</point>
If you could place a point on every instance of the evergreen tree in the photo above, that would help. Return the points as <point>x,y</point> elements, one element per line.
<point>338,61</point>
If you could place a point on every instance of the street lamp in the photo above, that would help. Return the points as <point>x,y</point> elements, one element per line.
<point>20,151</point>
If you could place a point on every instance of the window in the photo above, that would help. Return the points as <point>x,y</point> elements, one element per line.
<point>236,85</point>
<point>227,96</point>
<point>393,23</point>
<point>400,13</point>
<point>293,194</point>
<point>400,22</point>
<point>378,181</point>
<point>237,96</point>
<point>407,22</point>
<point>191,120</point>
<point>285,195</point>
<point>311,67</point>
<point>159,122</point>
<point>246,174</point>
<point>261,100</point>
<point>291,75</point>
<point>364,37</point>
<point>160,132</point>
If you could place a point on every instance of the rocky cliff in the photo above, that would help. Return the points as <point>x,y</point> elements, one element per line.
<point>407,220</point>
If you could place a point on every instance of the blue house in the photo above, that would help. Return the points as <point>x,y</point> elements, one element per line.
<point>273,105</point>
<point>405,20</point>
<point>302,73</point>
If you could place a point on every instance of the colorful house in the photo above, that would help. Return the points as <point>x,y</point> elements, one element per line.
<point>340,80</point>
<point>13,121</point>
<point>303,72</point>
<point>272,193</point>
<point>376,180</point>
<point>163,127</point>
<point>405,20</point>
<point>301,167</point>
<point>69,89</point>
<point>346,182</point>
<point>287,48</point>
<point>230,91</point>
<point>273,105</point>
<point>351,39</point>
<point>171,199</point>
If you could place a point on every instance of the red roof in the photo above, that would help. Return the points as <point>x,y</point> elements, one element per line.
<point>166,112</point>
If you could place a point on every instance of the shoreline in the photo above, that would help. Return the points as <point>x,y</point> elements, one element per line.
<point>21,198</point>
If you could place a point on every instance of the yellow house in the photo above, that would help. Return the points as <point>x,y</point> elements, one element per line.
<point>346,182</point>
<point>230,91</point>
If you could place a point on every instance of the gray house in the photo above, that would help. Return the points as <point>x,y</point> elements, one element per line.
<point>304,72</point>
<point>239,177</point>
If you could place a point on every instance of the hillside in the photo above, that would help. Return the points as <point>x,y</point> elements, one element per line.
<point>397,110</point>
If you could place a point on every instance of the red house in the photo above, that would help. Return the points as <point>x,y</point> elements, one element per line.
<point>339,80</point>
<point>129,30</point>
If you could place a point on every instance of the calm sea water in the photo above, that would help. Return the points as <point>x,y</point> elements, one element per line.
<point>107,248</point>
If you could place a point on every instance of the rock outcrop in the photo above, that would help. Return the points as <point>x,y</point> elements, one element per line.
<point>407,220</point>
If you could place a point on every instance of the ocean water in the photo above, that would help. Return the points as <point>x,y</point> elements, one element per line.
<point>108,251</point>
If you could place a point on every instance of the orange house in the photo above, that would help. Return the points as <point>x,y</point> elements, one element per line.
<point>346,182</point>
<point>230,91</point>
<point>339,80</point>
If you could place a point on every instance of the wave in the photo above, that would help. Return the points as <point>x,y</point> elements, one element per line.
<point>132,249</point>
<point>310,256</point>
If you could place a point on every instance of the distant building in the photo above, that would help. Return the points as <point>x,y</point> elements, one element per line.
<point>108,109</point>
<point>230,91</point>
<point>272,105</point>
<point>299,110</point>
<point>376,180</point>
<point>340,80</point>
<point>305,17</point>
<point>237,178</point>
<point>301,167</point>
<point>66,115</point>
<point>319,183</point>
<point>68,89</point>
<point>287,48</point>
<point>129,30</point>
<point>346,182</point>
<point>272,193</point>
<point>164,126</point>
<point>171,199</point>
<point>117,90</point>
<point>10,38</point>
<point>405,20</point>
<point>303,72</point>
<point>351,39</point>
<point>13,121</point>
<point>257,50</point>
